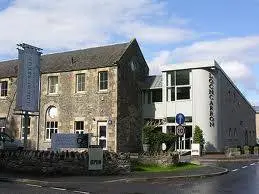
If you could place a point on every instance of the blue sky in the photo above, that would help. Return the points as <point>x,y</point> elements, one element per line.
<point>167,31</point>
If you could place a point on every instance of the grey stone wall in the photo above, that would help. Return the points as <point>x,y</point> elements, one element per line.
<point>64,163</point>
<point>90,106</point>
<point>129,99</point>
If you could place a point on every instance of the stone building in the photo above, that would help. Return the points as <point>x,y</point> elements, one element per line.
<point>93,90</point>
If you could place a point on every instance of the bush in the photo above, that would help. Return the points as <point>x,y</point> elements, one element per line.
<point>155,138</point>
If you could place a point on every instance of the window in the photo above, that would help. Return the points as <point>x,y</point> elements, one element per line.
<point>79,127</point>
<point>103,80</point>
<point>53,84</point>
<point>229,132</point>
<point>188,119</point>
<point>178,85</point>
<point>80,82</point>
<point>52,127</point>
<point>3,86</point>
<point>156,95</point>
<point>170,129</point>
<point>183,93</point>
<point>2,124</point>
<point>235,132</point>
<point>182,77</point>
<point>23,126</point>
<point>102,135</point>
<point>170,119</point>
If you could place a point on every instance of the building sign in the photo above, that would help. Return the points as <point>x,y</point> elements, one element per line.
<point>28,79</point>
<point>212,100</point>
<point>95,158</point>
<point>195,149</point>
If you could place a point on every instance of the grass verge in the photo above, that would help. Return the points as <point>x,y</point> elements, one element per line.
<point>159,168</point>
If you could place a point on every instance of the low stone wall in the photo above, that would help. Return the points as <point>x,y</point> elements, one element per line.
<point>61,163</point>
<point>161,159</point>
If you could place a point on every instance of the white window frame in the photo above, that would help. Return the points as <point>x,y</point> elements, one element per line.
<point>80,82</point>
<point>169,87</point>
<point>99,80</point>
<point>48,129</point>
<point>5,90</point>
<point>102,124</point>
<point>54,85</point>
<point>80,131</point>
<point>29,127</point>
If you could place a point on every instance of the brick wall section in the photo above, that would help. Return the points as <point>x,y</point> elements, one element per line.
<point>63,163</point>
<point>129,99</point>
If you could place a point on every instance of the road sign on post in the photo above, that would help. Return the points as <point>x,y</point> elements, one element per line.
<point>180,130</point>
<point>180,118</point>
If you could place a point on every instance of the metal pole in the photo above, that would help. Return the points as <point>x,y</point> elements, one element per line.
<point>25,130</point>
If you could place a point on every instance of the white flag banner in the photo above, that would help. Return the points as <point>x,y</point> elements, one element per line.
<point>28,79</point>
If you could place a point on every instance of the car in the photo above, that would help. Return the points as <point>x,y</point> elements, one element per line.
<point>9,143</point>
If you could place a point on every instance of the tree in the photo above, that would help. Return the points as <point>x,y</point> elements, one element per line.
<point>198,136</point>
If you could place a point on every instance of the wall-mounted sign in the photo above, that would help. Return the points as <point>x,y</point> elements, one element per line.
<point>95,158</point>
<point>212,100</point>
<point>28,79</point>
<point>195,149</point>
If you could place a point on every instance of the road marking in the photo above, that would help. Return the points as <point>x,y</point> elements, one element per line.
<point>244,167</point>
<point>235,170</point>
<point>57,188</point>
<point>116,180</point>
<point>252,164</point>
<point>81,192</point>
<point>33,185</point>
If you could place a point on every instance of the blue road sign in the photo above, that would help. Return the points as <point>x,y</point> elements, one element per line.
<point>180,118</point>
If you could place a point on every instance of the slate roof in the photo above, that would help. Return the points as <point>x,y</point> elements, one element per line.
<point>152,82</point>
<point>103,56</point>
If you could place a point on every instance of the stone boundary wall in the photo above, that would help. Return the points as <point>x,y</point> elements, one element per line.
<point>160,159</point>
<point>61,163</point>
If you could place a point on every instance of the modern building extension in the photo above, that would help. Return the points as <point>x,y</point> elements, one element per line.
<point>207,97</point>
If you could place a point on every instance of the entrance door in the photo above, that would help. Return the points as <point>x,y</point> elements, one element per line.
<point>103,133</point>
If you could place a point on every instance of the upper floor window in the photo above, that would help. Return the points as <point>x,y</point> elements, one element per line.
<point>3,87</point>
<point>103,80</point>
<point>53,84</point>
<point>178,85</point>
<point>23,126</point>
<point>79,127</point>
<point>80,82</point>
<point>2,124</point>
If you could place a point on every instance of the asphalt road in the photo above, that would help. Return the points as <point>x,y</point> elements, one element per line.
<point>242,179</point>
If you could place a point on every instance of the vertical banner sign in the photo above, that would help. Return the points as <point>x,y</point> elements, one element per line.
<point>28,79</point>
<point>212,100</point>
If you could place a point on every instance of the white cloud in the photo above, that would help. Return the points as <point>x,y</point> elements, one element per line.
<point>236,55</point>
<point>66,24</point>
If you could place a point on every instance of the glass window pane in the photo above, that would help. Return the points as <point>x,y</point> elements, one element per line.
<point>188,131</point>
<point>183,77</point>
<point>157,95</point>
<point>171,119</point>
<point>52,124</point>
<point>102,143</point>
<point>183,93</point>
<point>102,131</point>
<point>48,124</point>
<point>56,124</point>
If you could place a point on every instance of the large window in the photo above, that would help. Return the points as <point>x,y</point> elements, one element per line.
<point>103,80</point>
<point>23,126</point>
<point>3,87</point>
<point>52,127</point>
<point>80,82</point>
<point>79,127</point>
<point>53,84</point>
<point>178,85</point>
